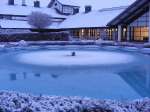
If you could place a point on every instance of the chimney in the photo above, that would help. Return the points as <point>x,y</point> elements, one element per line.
<point>11,2</point>
<point>37,3</point>
<point>88,8</point>
<point>23,2</point>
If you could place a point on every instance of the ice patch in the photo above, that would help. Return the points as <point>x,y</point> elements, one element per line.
<point>64,58</point>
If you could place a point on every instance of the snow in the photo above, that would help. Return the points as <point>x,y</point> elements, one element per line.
<point>92,19</point>
<point>22,43</point>
<point>19,102</point>
<point>14,31</point>
<point>130,48</point>
<point>21,24</point>
<point>14,24</point>
<point>26,10</point>
<point>95,18</point>
<point>69,2</point>
<point>83,58</point>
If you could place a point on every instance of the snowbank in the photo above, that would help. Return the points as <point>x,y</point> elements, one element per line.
<point>83,58</point>
<point>18,102</point>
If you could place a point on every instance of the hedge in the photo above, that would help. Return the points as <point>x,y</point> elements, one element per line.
<point>58,36</point>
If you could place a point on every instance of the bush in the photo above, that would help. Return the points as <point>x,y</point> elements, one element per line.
<point>59,36</point>
<point>39,20</point>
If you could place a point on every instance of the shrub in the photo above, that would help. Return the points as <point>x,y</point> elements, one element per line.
<point>59,36</point>
<point>39,20</point>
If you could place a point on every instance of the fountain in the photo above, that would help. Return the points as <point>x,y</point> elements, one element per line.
<point>73,54</point>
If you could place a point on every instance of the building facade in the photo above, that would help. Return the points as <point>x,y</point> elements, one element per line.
<point>133,23</point>
<point>92,25</point>
<point>104,33</point>
<point>126,24</point>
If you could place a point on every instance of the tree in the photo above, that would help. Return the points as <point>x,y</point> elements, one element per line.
<point>39,20</point>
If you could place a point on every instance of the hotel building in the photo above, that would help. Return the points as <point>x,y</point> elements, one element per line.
<point>126,23</point>
<point>123,23</point>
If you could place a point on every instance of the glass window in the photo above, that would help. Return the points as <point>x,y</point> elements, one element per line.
<point>140,28</point>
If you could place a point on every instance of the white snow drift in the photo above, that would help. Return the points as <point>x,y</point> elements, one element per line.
<point>64,58</point>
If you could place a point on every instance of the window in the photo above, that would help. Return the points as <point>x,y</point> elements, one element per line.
<point>140,28</point>
<point>67,9</point>
<point>89,34</point>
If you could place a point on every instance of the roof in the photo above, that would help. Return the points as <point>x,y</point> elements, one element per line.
<point>69,2</point>
<point>26,10</point>
<point>92,19</point>
<point>96,4</point>
<point>133,10</point>
<point>21,24</point>
<point>43,3</point>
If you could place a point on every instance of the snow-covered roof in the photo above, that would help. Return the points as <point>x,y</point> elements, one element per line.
<point>21,24</point>
<point>92,19</point>
<point>26,10</point>
<point>43,3</point>
<point>96,4</point>
<point>68,2</point>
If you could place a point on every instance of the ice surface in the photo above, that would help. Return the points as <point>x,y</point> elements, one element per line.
<point>64,58</point>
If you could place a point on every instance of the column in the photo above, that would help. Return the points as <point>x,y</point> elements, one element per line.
<point>119,33</point>
<point>149,24</point>
<point>128,33</point>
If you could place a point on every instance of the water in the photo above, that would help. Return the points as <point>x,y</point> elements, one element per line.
<point>121,81</point>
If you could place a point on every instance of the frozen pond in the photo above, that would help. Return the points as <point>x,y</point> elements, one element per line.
<point>65,58</point>
<point>95,73</point>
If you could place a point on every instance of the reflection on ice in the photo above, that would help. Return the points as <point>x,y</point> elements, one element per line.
<point>13,77</point>
<point>138,78</point>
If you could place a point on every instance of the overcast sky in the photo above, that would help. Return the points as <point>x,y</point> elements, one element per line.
<point>96,4</point>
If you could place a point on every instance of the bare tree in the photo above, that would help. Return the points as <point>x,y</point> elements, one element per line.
<point>39,20</point>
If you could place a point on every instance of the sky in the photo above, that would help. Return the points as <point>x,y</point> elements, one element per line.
<point>99,4</point>
<point>96,4</point>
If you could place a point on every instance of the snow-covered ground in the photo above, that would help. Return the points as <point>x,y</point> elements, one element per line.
<point>83,58</point>
<point>18,102</point>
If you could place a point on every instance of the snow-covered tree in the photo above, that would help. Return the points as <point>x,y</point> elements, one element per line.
<point>39,20</point>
